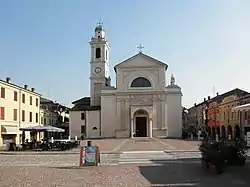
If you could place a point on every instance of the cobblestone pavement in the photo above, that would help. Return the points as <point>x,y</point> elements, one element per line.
<point>135,144</point>
<point>133,175</point>
<point>181,144</point>
<point>157,144</point>
<point>107,145</point>
<point>106,159</point>
<point>51,160</point>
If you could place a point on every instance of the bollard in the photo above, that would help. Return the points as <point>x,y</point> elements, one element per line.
<point>199,135</point>
<point>192,136</point>
<point>217,137</point>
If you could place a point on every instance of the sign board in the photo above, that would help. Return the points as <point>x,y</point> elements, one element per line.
<point>89,156</point>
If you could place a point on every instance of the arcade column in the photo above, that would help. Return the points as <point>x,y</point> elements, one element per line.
<point>132,128</point>
<point>150,128</point>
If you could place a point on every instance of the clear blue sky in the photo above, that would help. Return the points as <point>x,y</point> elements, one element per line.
<point>206,43</point>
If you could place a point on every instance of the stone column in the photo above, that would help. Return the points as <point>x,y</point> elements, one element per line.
<point>233,132</point>
<point>150,134</point>
<point>132,128</point>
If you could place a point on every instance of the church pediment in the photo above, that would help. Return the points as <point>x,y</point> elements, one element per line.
<point>142,61</point>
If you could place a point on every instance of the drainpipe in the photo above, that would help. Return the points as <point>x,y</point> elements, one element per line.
<point>19,115</point>
<point>100,122</point>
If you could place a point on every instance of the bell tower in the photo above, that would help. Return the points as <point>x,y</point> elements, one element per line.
<point>99,64</point>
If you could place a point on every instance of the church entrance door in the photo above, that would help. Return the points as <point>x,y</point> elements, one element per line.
<point>141,126</point>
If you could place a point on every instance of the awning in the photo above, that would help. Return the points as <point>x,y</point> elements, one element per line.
<point>53,129</point>
<point>245,107</point>
<point>8,129</point>
<point>37,128</point>
<point>40,128</point>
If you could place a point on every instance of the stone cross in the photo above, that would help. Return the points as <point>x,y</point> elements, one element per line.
<point>140,47</point>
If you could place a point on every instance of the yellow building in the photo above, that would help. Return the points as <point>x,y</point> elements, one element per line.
<point>19,107</point>
<point>244,112</point>
<point>229,120</point>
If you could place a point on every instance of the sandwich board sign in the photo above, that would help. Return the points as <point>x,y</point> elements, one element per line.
<point>89,156</point>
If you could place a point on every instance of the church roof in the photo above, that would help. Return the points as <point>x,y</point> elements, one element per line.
<point>173,86</point>
<point>84,100</point>
<point>144,56</point>
<point>82,107</point>
<point>83,104</point>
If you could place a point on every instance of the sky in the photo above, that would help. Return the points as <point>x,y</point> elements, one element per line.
<point>206,44</point>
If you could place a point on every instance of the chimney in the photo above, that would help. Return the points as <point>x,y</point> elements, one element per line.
<point>25,86</point>
<point>204,99</point>
<point>208,98</point>
<point>8,79</point>
<point>32,89</point>
<point>217,93</point>
<point>194,104</point>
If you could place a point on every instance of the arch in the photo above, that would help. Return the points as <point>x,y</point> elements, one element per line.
<point>229,131</point>
<point>237,131</point>
<point>223,131</point>
<point>141,112</point>
<point>140,73</point>
<point>213,135</point>
<point>140,82</point>
<point>94,128</point>
<point>98,52</point>
<point>135,110</point>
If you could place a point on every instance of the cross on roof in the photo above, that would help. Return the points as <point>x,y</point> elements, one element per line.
<point>140,47</point>
<point>100,22</point>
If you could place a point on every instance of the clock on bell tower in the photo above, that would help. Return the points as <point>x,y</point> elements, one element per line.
<point>99,64</point>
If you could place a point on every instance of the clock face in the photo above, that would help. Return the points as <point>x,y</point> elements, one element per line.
<point>98,70</point>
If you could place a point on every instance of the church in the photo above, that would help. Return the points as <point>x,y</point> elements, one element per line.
<point>140,105</point>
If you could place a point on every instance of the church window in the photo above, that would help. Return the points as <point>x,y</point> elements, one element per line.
<point>82,116</point>
<point>106,54</point>
<point>141,82</point>
<point>98,52</point>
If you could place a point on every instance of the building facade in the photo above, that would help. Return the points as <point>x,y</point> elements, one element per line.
<point>140,105</point>
<point>197,115</point>
<point>54,114</point>
<point>19,107</point>
<point>213,121</point>
<point>218,116</point>
<point>244,119</point>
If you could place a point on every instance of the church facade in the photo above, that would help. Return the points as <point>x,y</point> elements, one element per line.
<point>141,104</point>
